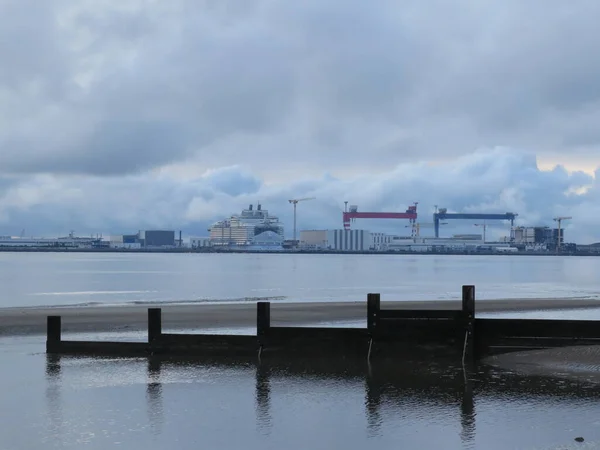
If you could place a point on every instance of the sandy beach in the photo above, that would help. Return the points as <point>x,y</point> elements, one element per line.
<point>185,316</point>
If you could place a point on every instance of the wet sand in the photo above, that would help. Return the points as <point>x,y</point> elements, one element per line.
<point>580,363</point>
<point>15,321</point>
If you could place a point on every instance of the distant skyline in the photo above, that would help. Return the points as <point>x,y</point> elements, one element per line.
<point>118,116</point>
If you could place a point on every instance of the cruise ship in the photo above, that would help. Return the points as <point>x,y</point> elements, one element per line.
<point>252,229</point>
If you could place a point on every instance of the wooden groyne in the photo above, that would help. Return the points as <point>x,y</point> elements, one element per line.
<point>389,333</point>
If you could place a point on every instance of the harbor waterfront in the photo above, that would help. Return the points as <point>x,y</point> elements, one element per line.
<point>141,403</point>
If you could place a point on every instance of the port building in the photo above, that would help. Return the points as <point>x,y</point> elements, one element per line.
<point>200,242</point>
<point>144,239</point>
<point>537,238</point>
<point>157,238</point>
<point>341,239</point>
<point>252,229</point>
<point>363,240</point>
<point>67,242</point>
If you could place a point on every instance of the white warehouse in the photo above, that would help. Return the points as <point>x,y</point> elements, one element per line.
<point>344,240</point>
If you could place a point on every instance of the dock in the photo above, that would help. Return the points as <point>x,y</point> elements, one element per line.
<point>397,333</point>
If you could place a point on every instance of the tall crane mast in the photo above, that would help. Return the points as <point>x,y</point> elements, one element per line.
<point>295,202</point>
<point>558,237</point>
<point>416,227</point>
<point>484,225</point>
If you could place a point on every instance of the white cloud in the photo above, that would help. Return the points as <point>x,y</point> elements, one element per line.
<point>492,180</point>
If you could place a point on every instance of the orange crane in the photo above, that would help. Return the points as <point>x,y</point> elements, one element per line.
<point>295,202</point>
<point>559,221</point>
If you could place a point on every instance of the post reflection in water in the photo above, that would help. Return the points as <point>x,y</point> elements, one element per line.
<point>467,414</point>
<point>395,393</point>
<point>53,396</point>
<point>407,386</point>
<point>372,404</point>
<point>395,387</point>
<point>263,397</point>
<point>154,397</point>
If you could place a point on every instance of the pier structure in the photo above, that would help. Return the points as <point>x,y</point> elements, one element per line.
<point>389,333</point>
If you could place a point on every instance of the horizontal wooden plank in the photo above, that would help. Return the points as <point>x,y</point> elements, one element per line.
<point>544,342</point>
<point>537,328</point>
<point>431,326</point>
<point>99,348</point>
<point>420,314</point>
<point>206,339</point>
<point>331,333</point>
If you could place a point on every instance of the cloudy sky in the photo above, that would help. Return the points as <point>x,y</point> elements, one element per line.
<point>122,115</point>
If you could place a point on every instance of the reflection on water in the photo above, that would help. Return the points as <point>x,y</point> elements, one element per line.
<point>467,414</point>
<point>154,395</point>
<point>297,404</point>
<point>53,369</point>
<point>263,398</point>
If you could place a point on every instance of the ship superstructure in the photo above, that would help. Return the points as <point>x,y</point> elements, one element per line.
<point>251,228</point>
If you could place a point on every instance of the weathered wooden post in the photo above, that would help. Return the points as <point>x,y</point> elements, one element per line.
<point>263,322</point>
<point>468,309</point>
<point>53,334</point>
<point>373,309</point>
<point>154,324</point>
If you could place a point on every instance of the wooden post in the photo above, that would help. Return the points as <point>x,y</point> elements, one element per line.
<point>468,308</point>
<point>468,301</point>
<point>263,319</point>
<point>53,333</point>
<point>373,308</point>
<point>154,324</point>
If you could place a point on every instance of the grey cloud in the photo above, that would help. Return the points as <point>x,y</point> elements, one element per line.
<point>496,180</point>
<point>113,147</point>
<point>100,89</point>
<point>233,181</point>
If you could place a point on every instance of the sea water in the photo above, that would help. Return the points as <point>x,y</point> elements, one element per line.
<point>136,403</point>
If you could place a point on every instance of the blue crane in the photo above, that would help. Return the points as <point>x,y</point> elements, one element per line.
<point>442,214</point>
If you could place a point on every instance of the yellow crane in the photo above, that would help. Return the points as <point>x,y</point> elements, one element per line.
<point>558,237</point>
<point>416,227</point>
<point>295,202</point>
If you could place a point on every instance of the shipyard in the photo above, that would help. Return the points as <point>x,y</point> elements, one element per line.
<point>255,229</point>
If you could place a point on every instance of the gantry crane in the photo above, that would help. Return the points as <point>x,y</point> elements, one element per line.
<point>295,202</point>
<point>443,214</point>
<point>558,237</point>
<point>349,216</point>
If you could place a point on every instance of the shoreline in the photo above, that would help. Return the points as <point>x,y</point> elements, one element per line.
<point>110,318</point>
<point>184,250</point>
<point>574,363</point>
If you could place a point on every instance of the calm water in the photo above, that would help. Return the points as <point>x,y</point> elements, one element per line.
<point>30,279</point>
<point>72,403</point>
<point>139,404</point>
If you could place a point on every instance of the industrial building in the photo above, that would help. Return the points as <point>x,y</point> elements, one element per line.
<point>363,240</point>
<point>69,242</point>
<point>537,238</point>
<point>125,241</point>
<point>144,239</point>
<point>343,240</point>
<point>157,238</point>
<point>200,242</point>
